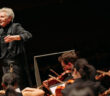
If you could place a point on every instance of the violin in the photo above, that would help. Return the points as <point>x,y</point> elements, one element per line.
<point>52,81</point>
<point>60,88</point>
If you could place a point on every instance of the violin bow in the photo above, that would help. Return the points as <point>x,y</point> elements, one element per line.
<point>103,72</point>
<point>56,79</point>
<point>54,72</point>
<point>40,86</point>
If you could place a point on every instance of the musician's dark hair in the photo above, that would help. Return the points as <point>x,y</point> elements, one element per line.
<point>9,80</point>
<point>69,56</point>
<point>80,90</point>
<point>84,88</point>
<point>86,70</point>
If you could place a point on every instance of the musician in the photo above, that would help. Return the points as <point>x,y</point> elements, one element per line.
<point>67,60</point>
<point>11,87</point>
<point>84,88</point>
<point>82,72</point>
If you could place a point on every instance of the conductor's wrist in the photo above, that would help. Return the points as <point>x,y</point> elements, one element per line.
<point>16,37</point>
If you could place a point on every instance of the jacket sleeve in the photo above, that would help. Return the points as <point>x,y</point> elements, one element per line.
<point>25,35</point>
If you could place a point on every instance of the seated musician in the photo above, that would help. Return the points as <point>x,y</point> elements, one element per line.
<point>11,87</point>
<point>83,72</point>
<point>67,60</point>
<point>84,88</point>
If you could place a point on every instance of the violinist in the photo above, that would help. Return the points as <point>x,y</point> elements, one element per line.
<point>67,61</point>
<point>82,72</point>
<point>84,88</point>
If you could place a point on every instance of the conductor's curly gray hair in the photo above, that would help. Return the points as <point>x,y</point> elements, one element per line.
<point>9,12</point>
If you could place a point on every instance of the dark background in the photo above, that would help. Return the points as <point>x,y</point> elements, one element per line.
<point>60,25</point>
